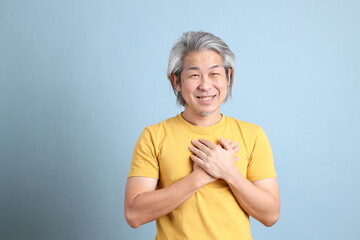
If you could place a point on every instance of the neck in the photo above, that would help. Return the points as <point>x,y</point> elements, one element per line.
<point>202,120</point>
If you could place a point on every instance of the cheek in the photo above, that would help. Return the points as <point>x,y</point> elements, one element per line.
<point>188,88</point>
<point>222,86</point>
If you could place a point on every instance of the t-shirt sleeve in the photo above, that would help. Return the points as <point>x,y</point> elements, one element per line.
<point>144,162</point>
<point>261,163</point>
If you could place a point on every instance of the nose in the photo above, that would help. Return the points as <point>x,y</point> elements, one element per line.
<point>205,83</point>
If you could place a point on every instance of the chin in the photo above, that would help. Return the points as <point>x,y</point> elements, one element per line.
<point>206,113</point>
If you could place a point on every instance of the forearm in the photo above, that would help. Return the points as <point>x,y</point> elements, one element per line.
<point>148,206</point>
<point>258,202</point>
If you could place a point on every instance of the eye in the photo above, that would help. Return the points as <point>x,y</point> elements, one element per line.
<point>194,75</point>
<point>215,74</point>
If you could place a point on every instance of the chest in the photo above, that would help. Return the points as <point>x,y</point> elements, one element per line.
<point>174,154</point>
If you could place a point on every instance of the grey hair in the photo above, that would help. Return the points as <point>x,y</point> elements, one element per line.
<point>198,41</point>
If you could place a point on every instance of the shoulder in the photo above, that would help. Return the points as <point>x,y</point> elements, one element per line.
<point>167,123</point>
<point>245,126</point>
<point>154,135</point>
<point>158,132</point>
<point>249,131</point>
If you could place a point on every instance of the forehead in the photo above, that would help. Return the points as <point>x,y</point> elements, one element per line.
<point>202,60</point>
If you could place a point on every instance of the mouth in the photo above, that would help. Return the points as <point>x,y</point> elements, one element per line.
<point>206,98</point>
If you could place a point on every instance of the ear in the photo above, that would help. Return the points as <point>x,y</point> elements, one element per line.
<point>229,74</point>
<point>175,82</point>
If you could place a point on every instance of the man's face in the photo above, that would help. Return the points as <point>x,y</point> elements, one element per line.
<point>203,82</point>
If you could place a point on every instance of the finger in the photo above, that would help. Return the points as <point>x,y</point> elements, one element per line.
<point>197,160</point>
<point>233,144</point>
<point>199,145</point>
<point>225,144</point>
<point>235,148</point>
<point>208,143</point>
<point>197,152</point>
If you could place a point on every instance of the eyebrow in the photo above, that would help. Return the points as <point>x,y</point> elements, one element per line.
<point>197,68</point>
<point>214,66</point>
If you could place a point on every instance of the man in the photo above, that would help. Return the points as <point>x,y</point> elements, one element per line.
<point>201,174</point>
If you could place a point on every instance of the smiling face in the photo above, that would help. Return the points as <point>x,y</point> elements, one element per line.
<point>203,84</point>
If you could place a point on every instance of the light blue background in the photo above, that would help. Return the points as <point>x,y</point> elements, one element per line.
<point>81,79</point>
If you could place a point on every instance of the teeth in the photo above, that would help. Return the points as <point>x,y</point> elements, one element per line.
<point>206,98</point>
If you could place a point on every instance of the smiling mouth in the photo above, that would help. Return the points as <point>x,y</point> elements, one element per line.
<point>206,98</point>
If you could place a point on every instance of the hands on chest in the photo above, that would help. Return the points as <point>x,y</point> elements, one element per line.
<point>217,160</point>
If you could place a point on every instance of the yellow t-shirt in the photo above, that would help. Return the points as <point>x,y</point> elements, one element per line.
<point>212,212</point>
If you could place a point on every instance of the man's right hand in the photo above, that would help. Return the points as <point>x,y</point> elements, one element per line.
<point>203,175</point>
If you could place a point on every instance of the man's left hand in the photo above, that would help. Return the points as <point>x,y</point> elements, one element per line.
<point>218,160</point>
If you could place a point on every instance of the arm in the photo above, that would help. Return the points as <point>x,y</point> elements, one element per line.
<point>260,199</point>
<point>143,203</point>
